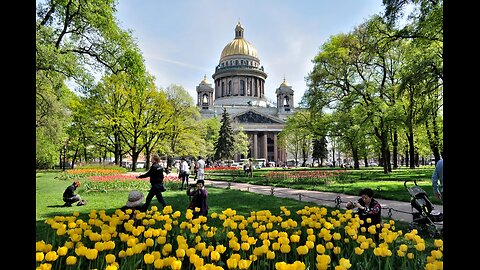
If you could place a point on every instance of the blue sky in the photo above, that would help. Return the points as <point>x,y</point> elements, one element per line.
<point>182,40</point>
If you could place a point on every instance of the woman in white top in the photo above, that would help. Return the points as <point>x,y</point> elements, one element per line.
<point>200,168</point>
<point>184,173</point>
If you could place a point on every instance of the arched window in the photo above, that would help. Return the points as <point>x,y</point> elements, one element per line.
<point>205,99</point>
<point>229,87</point>
<point>285,101</point>
<point>242,88</point>
<point>223,89</point>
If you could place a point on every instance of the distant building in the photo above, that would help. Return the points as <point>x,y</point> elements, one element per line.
<point>239,86</point>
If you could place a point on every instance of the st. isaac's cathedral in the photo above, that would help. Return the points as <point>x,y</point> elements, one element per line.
<point>239,87</point>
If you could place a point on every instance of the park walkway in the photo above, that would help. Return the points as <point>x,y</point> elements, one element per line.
<point>396,210</point>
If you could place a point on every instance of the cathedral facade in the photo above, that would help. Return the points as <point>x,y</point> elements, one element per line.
<point>239,87</point>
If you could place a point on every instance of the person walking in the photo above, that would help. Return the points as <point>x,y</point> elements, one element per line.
<point>156,181</point>
<point>199,199</point>
<point>184,173</point>
<point>437,180</point>
<point>200,168</point>
<point>248,167</point>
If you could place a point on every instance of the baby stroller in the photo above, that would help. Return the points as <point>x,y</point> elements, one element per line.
<point>425,218</point>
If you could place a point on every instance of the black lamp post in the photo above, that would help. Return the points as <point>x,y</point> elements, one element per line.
<point>64,157</point>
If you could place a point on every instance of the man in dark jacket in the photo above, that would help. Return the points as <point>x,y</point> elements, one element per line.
<point>69,195</point>
<point>156,181</point>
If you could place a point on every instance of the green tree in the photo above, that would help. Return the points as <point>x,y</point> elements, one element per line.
<point>210,135</point>
<point>225,146</point>
<point>320,150</point>
<point>242,143</point>
<point>297,135</point>
<point>183,137</point>
<point>74,40</point>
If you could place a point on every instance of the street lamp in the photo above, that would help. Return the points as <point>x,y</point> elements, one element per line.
<point>64,157</point>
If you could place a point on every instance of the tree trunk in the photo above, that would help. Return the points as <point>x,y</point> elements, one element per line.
<point>395,149</point>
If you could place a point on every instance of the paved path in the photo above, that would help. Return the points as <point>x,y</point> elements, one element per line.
<point>396,210</point>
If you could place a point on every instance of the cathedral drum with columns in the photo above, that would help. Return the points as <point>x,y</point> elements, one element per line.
<point>239,87</point>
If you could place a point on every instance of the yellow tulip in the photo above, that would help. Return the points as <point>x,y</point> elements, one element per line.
<point>220,249</point>
<point>294,238</point>
<point>111,267</point>
<point>302,250</point>
<point>51,256</point>
<point>285,248</point>
<point>245,246</point>
<point>358,251</point>
<point>232,263</point>
<point>420,246</point>
<point>71,260</point>
<point>148,258</point>
<point>244,264</point>
<point>176,265</point>
<point>91,254</point>
<point>158,263</point>
<point>205,252</point>
<point>320,249</point>
<point>110,258</point>
<point>62,251</point>
<point>345,263</point>
<point>180,253</point>
<point>39,256</point>
<point>438,243</point>
<point>214,256</point>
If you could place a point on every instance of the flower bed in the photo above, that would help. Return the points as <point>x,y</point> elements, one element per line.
<point>169,239</point>
<point>125,182</point>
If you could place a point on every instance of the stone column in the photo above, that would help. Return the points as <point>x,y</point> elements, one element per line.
<point>275,148</point>
<point>255,144</point>
<point>264,149</point>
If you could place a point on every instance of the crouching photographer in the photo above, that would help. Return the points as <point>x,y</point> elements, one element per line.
<point>199,196</point>
<point>369,210</point>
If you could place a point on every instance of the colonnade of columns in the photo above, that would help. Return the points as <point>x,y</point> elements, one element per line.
<point>260,143</point>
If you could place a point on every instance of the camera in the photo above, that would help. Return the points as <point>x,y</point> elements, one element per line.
<point>192,185</point>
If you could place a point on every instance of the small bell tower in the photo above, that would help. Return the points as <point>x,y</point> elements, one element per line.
<point>284,98</point>
<point>205,95</point>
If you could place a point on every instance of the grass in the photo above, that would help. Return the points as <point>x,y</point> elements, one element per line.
<point>386,186</point>
<point>49,190</point>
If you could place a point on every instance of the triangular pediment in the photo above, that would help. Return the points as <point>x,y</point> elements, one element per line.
<point>253,117</point>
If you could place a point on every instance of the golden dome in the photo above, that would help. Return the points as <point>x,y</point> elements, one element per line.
<point>239,46</point>
<point>284,83</point>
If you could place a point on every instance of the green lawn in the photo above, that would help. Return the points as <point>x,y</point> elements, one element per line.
<point>49,189</point>
<point>386,186</point>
